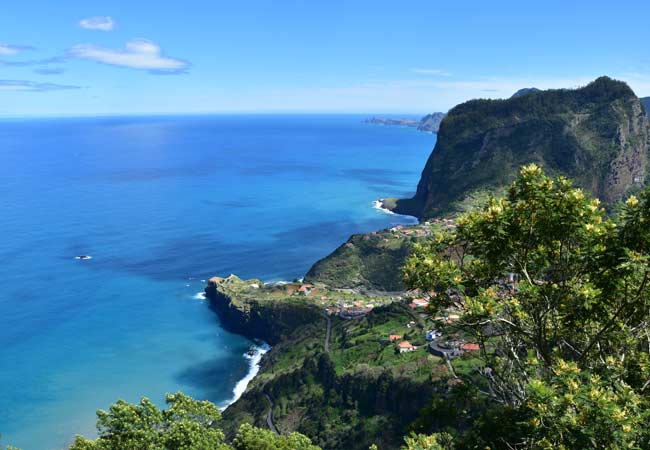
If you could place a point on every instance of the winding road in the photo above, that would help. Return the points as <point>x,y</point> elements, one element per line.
<point>269,415</point>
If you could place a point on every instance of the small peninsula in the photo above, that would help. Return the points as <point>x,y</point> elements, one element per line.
<point>428,124</point>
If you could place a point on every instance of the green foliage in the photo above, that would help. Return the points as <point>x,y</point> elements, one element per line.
<point>438,441</point>
<point>567,342</point>
<point>187,424</point>
<point>251,438</point>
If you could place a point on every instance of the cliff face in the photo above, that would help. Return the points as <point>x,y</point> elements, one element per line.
<point>646,104</point>
<point>431,122</point>
<point>254,318</point>
<point>597,135</point>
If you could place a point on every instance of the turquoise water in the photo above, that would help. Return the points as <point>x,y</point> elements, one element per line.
<point>162,203</point>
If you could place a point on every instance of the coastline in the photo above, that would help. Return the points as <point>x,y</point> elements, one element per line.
<point>379,206</point>
<point>259,349</point>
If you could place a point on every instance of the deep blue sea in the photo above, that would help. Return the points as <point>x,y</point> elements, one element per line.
<point>162,203</point>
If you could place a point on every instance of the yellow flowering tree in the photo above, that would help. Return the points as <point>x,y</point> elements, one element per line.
<point>558,296</point>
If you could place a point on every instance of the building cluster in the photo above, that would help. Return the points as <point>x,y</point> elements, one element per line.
<point>451,348</point>
<point>354,310</point>
<point>412,231</point>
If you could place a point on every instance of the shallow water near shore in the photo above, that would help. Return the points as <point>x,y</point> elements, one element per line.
<point>161,204</point>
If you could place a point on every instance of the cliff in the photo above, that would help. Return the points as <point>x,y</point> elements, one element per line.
<point>265,316</point>
<point>431,122</point>
<point>645,101</point>
<point>597,135</point>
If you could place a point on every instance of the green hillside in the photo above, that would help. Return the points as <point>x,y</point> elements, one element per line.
<point>597,135</point>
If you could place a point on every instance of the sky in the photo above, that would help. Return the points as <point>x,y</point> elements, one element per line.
<point>85,57</point>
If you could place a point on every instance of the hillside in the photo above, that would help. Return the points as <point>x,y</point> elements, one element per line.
<point>596,135</point>
<point>337,376</point>
<point>524,91</point>
<point>373,261</point>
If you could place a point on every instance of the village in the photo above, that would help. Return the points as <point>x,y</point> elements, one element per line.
<point>349,304</point>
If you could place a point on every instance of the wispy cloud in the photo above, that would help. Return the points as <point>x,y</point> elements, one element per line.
<point>10,50</point>
<point>138,54</point>
<point>49,70</point>
<point>34,62</point>
<point>102,23</point>
<point>436,72</point>
<point>32,86</point>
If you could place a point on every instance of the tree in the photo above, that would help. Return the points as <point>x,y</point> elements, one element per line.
<point>557,295</point>
<point>251,438</point>
<point>187,424</point>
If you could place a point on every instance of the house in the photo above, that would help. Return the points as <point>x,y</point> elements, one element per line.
<point>394,337</point>
<point>432,334</point>
<point>292,289</point>
<point>470,347</point>
<point>306,289</point>
<point>406,347</point>
<point>419,303</point>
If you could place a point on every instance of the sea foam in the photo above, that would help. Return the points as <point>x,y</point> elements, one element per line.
<point>254,359</point>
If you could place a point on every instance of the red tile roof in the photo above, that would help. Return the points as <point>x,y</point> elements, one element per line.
<point>470,347</point>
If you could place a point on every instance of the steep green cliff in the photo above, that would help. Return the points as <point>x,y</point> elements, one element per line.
<point>646,104</point>
<point>597,135</point>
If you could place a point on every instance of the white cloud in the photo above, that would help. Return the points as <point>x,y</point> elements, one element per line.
<point>138,54</point>
<point>102,23</point>
<point>436,72</point>
<point>10,50</point>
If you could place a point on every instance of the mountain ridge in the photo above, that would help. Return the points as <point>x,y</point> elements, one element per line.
<point>596,134</point>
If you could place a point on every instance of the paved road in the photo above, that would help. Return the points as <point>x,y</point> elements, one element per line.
<point>269,415</point>
<point>328,334</point>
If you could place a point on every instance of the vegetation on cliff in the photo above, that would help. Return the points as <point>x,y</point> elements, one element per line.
<point>338,377</point>
<point>597,135</point>
<point>645,101</point>
<point>359,391</point>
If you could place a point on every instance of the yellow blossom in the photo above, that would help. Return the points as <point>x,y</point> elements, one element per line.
<point>632,201</point>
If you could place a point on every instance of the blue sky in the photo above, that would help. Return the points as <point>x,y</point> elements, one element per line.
<point>110,57</point>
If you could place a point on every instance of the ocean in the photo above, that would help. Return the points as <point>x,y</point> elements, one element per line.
<point>161,204</point>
